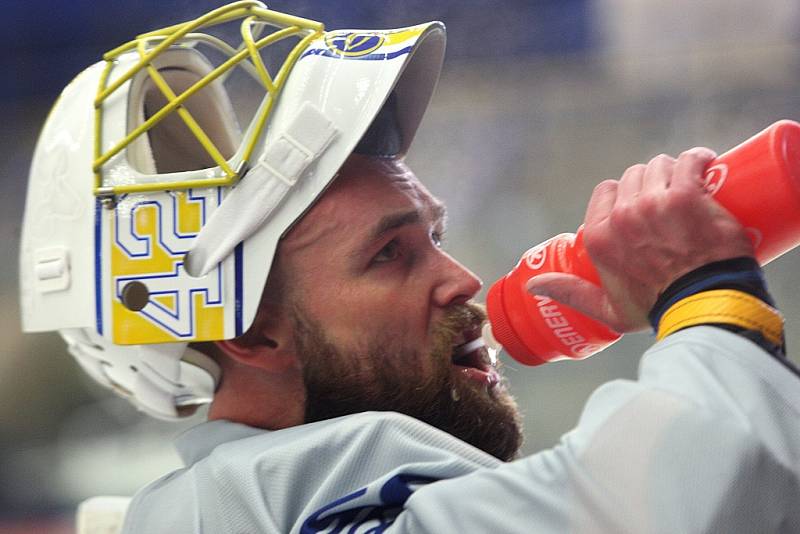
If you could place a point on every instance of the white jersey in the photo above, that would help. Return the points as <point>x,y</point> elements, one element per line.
<point>706,440</point>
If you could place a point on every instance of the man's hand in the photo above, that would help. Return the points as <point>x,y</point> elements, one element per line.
<point>643,232</point>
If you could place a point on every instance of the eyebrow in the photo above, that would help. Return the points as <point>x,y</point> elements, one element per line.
<point>397,220</point>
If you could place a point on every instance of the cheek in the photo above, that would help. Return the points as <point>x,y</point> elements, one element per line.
<point>352,317</point>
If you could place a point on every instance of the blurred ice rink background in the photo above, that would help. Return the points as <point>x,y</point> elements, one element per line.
<point>539,101</point>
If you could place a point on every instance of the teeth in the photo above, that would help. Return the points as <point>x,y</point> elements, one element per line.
<point>468,347</point>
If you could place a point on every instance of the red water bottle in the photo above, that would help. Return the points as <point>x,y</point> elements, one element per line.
<point>758,182</point>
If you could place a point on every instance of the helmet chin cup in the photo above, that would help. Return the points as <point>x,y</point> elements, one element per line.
<point>166,381</point>
<point>155,205</point>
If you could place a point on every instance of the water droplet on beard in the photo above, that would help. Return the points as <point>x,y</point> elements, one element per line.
<point>455,395</point>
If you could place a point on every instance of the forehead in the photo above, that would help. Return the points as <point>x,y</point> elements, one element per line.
<point>366,189</point>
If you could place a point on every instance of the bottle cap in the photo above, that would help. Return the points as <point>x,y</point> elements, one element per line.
<point>502,332</point>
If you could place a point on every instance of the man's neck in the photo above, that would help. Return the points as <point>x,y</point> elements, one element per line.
<point>259,399</point>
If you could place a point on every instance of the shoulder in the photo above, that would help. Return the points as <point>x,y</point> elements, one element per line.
<point>294,473</point>
<point>380,437</point>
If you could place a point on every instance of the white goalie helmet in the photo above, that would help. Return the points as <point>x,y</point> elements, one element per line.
<point>152,218</point>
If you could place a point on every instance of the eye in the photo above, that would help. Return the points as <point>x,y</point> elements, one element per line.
<point>388,253</point>
<point>437,237</point>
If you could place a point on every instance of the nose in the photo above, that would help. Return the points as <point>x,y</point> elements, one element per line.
<point>456,284</point>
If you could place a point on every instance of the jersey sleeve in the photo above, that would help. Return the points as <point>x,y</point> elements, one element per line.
<point>706,440</point>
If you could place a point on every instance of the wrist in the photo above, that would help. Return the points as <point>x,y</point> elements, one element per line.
<point>741,273</point>
<point>729,294</point>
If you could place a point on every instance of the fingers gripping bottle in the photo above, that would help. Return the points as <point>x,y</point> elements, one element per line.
<point>758,182</point>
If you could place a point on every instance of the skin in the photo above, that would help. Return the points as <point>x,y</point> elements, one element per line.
<point>642,232</point>
<point>366,259</point>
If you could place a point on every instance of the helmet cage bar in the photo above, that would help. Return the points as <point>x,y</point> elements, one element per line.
<point>247,55</point>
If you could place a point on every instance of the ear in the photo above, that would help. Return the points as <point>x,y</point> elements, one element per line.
<point>265,345</point>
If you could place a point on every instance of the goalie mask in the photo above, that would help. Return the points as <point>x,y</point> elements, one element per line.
<point>156,202</point>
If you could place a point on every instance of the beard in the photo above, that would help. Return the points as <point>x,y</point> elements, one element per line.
<point>382,374</point>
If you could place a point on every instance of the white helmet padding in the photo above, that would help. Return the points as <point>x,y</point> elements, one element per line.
<point>167,148</point>
<point>141,373</point>
<point>113,277</point>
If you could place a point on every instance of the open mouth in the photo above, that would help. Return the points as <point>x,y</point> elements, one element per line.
<point>472,357</point>
<point>469,354</point>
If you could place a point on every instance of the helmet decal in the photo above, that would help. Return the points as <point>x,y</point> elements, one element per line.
<point>148,240</point>
<point>354,44</point>
<point>348,44</point>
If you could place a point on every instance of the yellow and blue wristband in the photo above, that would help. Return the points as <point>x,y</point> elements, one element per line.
<point>729,294</point>
<point>723,306</point>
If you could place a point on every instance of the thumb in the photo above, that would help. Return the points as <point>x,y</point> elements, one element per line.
<point>575,292</point>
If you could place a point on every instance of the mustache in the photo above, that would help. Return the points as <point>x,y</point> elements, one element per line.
<point>459,318</point>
